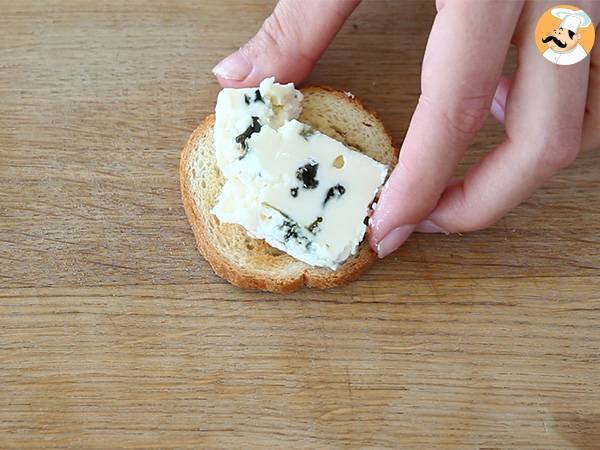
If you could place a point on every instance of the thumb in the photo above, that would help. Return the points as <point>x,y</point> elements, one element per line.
<point>288,44</point>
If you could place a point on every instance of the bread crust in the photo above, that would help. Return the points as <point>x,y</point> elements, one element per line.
<point>227,268</point>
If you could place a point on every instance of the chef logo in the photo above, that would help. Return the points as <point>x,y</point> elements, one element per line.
<point>565,35</point>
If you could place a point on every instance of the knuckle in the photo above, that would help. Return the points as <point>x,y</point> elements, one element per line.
<point>462,116</point>
<point>562,151</point>
<point>279,36</point>
<point>469,214</point>
<point>269,39</point>
<point>468,114</point>
<point>559,158</point>
<point>273,30</point>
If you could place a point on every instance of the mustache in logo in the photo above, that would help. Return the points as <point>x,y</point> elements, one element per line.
<point>555,40</point>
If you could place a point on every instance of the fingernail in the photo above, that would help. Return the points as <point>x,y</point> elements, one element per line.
<point>428,226</point>
<point>393,240</point>
<point>235,67</point>
<point>497,111</point>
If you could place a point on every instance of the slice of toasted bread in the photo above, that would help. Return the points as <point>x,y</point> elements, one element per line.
<point>252,263</point>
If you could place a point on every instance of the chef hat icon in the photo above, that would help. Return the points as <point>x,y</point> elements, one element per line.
<point>572,20</point>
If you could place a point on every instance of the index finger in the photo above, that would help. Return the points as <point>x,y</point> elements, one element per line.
<point>461,68</point>
<point>288,44</point>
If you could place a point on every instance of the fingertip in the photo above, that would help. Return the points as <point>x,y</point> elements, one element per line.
<point>376,229</point>
<point>371,240</point>
<point>240,70</point>
<point>232,70</point>
<point>388,215</point>
<point>386,231</point>
<point>225,83</point>
<point>393,240</point>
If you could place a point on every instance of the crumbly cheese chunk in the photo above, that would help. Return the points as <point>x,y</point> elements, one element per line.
<point>240,112</point>
<point>300,190</point>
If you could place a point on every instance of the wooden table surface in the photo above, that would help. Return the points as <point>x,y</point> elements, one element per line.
<point>114,332</point>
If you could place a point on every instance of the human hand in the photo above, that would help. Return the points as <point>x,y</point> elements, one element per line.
<point>543,108</point>
<point>288,44</point>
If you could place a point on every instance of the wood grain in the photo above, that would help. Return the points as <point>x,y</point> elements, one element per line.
<point>115,333</point>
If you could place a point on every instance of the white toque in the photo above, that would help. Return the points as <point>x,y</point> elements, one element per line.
<point>572,20</point>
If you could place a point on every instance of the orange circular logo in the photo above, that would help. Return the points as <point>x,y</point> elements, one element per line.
<point>565,35</point>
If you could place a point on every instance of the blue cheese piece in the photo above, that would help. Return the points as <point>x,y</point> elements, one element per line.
<point>300,190</point>
<point>242,112</point>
